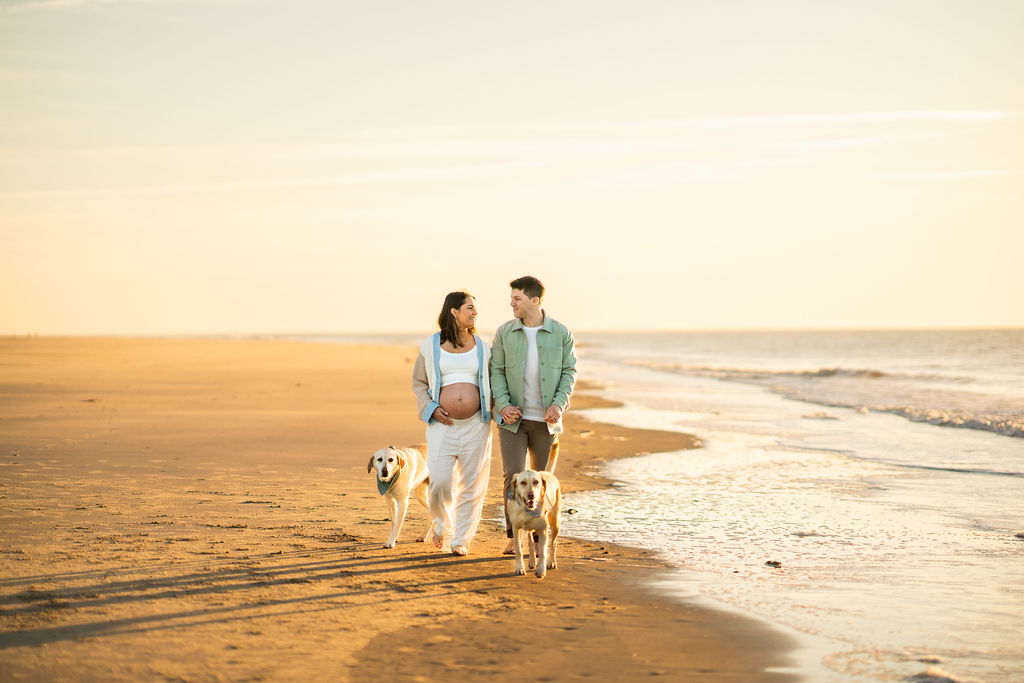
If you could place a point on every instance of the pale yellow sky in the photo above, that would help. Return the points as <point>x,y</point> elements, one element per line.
<point>236,166</point>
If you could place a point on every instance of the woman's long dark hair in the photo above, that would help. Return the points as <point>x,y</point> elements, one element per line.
<point>446,321</point>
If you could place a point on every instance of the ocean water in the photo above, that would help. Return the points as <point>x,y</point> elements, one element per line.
<point>880,472</point>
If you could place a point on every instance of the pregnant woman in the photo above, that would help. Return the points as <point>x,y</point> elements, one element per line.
<point>453,394</point>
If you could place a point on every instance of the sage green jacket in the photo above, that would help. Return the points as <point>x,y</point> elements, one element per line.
<point>556,353</point>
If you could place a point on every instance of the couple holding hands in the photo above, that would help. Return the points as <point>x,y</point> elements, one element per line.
<point>526,377</point>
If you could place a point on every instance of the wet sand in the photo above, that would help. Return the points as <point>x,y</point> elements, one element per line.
<point>200,510</point>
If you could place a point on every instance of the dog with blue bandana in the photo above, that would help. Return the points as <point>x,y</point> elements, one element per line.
<point>400,473</point>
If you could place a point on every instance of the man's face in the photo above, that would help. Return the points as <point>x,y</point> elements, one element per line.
<point>522,305</point>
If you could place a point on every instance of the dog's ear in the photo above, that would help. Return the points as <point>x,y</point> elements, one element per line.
<point>369,465</point>
<point>401,458</point>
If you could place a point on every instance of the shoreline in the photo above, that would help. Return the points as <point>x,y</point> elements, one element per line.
<point>214,492</point>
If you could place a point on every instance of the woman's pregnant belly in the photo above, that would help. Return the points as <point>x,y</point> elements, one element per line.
<point>460,400</point>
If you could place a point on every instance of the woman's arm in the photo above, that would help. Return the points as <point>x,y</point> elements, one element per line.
<point>425,404</point>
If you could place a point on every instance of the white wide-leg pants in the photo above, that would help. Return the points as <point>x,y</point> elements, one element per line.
<point>459,463</point>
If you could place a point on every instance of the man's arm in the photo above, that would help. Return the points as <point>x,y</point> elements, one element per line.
<point>567,380</point>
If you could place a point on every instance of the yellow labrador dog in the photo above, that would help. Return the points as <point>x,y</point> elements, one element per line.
<point>534,504</point>
<point>400,472</point>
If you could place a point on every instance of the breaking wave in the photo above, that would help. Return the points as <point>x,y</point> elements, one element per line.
<point>943,400</point>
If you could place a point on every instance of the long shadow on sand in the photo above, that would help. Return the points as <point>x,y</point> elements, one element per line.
<point>367,577</point>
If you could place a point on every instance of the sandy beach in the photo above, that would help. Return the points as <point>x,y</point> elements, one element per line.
<point>200,510</point>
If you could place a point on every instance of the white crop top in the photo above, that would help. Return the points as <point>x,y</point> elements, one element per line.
<point>459,367</point>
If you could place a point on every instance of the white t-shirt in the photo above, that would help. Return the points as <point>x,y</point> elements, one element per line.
<point>532,406</point>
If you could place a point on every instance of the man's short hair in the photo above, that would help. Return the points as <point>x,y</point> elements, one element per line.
<point>528,285</point>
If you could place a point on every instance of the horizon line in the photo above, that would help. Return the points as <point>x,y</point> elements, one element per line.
<point>576,332</point>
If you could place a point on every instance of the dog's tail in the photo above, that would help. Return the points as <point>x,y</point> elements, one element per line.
<point>552,458</point>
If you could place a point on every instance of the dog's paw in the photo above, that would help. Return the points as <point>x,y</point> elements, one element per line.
<point>520,572</point>
<point>552,564</point>
<point>531,564</point>
<point>389,545</point>
<point>420,539</point>
<point>540,572</point>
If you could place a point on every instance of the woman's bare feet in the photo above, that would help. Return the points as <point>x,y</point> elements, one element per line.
<point>510,548</point>
<point>459,550</point>
<point>438,541</point>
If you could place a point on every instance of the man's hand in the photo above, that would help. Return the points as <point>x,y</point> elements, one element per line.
<point>553,414</point>
<point>510,414</point>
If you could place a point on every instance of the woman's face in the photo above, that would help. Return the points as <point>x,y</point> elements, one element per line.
<point>465,315</point>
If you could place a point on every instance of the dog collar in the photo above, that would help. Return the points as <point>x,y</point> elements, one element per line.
<point>385,486</point>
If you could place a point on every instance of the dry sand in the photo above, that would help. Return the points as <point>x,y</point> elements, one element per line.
<point>197,510</point>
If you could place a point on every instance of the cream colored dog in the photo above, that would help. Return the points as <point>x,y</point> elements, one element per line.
<point>534,504</point>
<point>400,472</point>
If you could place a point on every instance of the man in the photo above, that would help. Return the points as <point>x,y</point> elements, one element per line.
<point>533,372</point>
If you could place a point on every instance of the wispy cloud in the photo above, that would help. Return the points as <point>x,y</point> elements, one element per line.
<point>723,123</point>
<point>932,176</point>
<point>576,148</point>
<point>19,7</point>
<point>510,147</point>
<point>55,5</point>
<point>409,176</point>
<point>575,156</point>
<point>854,118</point>
<point>637,176</point>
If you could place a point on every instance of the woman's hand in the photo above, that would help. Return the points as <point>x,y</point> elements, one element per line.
<point>441,415</point>
<point>553,414</point>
